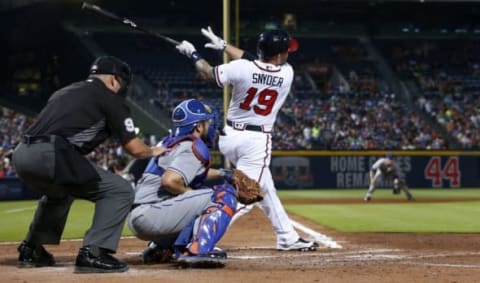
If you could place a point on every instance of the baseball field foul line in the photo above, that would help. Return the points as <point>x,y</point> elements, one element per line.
<point>317,237</point>
<point>19,209</point>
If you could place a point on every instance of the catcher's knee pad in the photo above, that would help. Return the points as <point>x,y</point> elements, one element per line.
<point>211,225</point>
<point>225,194</point>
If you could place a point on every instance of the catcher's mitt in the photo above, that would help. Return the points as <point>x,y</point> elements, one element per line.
<point>248,189</point>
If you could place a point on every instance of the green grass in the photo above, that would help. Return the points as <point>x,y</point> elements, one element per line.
<point>418,217</point>
<point>379,193</point>
<point>458,217</point>
<point>15,217</point>
<point>446,217</point>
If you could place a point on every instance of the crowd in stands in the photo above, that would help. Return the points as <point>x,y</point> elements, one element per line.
<point>109,155</point>
<point>347,121</point>
<point>336,102</point>
<point>350,115</point>
<point>447,73</point>
<point>460,116</point>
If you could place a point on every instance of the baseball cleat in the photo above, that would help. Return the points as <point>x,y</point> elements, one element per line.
<point>156,254</point>
<point>300,245</point>
<point>30,256</point>
<point>367,198</point>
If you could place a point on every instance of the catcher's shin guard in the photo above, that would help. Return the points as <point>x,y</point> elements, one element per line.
<point>209,228</point>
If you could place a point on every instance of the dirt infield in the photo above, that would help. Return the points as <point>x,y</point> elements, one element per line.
<point>364,257</point>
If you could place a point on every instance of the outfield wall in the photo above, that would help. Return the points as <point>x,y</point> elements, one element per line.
<point>349,169</point>
<point>343,170</point>
<point>12,189</point>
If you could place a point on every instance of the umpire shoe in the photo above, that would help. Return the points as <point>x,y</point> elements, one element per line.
<point>33,256</point>
<point>91,259</point>
<point>300,245</point>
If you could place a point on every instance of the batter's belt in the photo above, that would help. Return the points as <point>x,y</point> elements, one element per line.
<point>243,126</point>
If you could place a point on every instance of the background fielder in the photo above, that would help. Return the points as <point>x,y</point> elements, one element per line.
<point>383,169</point>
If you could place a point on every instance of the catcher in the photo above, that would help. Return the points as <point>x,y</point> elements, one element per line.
<point>383,169</point>
<point>182,218</point>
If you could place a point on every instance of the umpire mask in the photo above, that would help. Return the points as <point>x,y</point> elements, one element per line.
<point>113,66</point>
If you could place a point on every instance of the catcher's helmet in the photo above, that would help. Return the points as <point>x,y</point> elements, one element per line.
<point>187,114</point>
<point>273,42</point>
<point>112,66</point>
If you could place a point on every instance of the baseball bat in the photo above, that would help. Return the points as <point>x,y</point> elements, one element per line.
<point>125,21</point>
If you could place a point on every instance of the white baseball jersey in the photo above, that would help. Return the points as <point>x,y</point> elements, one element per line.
<point>259,90</point>
<point>381,167</point>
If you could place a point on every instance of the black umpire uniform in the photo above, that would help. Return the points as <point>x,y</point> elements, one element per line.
<point>50,160</point>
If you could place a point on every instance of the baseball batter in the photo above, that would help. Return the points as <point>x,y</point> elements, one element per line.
<point>383,169</point>
<point>260,88</point>
<point>172,207</point>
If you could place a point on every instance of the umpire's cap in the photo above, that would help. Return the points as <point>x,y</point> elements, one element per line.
<point>275,41</point>
<point>112,66</point>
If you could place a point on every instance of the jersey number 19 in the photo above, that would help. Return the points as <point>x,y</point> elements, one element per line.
<point>266,100</point>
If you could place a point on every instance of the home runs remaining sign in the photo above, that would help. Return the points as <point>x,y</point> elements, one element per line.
<point>352,171</point>
<point>345,170</point>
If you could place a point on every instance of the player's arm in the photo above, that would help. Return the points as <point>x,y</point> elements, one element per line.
<point>226,174</point>
<point>174,183</point>
<point>372,176</point>
<point>214,174</point>
<point>373,171</point>
<point>120,124</point>
<point>204,69</point>
<point>138,149</point>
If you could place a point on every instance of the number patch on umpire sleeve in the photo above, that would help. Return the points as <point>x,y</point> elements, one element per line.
<point>129,125</point>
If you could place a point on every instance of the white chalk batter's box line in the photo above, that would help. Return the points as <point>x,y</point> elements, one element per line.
<point>364,256</point>
<point>393,255</point>
<point>316,258</point>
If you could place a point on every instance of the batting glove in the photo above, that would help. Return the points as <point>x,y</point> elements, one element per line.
<point>216,42</point>
<point>187,49</point>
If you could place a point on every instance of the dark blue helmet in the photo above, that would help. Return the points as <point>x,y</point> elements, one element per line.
<point>273,42</point>
<point>187,114</point>
<point>389,156</point>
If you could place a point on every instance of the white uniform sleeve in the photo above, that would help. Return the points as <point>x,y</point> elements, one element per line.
<point>229,73</point>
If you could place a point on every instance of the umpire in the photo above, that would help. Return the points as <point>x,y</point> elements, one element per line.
<point>50,160</point>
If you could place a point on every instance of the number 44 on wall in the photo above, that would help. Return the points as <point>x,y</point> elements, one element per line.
<point>450,171</point>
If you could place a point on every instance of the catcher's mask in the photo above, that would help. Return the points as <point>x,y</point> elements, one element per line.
<point>113,66</point>
<point>273,42</point>
<point>187,115</point>
<point>215,126</point>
